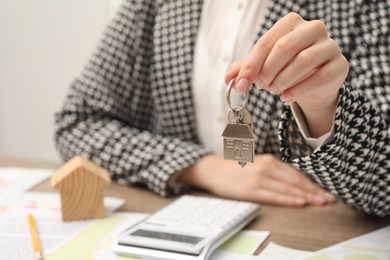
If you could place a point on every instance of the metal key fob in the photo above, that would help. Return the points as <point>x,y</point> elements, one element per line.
<point>238,136</point>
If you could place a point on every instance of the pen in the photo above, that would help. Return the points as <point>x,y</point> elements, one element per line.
<point>34,237</point>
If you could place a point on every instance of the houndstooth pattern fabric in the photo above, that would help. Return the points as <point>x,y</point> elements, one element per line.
<point>131,109</point>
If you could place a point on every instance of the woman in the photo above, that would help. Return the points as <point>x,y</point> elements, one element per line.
<point>150,104</point>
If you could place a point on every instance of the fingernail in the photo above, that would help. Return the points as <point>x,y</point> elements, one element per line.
<point>300,201</point>
<point>259,84</point>
<point>329,197</point>
<point>227,73</point>
<point>318,199</point>
<point>273,89</point>
<point>242,85</point>
<point>286,97</point>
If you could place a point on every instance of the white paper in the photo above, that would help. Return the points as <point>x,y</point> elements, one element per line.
<point>277,252</point>
<point>54,235</point>
<point>16,180</point>
<point>223,255</point>
<point>15,240</point>
<point>374,245</point>
<point>49,201</point>
<point>241,246</point>
<point>68,240</point>
<point>262,235</point>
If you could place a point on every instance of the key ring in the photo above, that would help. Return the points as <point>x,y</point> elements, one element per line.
<point>236,110</point>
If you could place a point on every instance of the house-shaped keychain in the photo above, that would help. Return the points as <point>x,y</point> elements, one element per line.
<point>238,143</point>
<point>238,136</point>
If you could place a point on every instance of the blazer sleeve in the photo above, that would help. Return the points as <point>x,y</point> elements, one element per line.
<point>356,164</point>
<point>108,114</point>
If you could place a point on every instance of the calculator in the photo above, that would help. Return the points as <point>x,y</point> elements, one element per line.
<point>189,228</point>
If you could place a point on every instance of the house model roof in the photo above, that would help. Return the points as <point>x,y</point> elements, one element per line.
<point>73,165</point>
<point>238,131</point>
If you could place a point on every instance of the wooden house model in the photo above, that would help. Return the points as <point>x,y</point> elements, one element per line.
<point>81,184</point>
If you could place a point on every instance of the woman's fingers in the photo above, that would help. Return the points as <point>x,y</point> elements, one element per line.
<point>275,198</point>
<point>253,183</point>
<point>285,173</point>
<point>233,71</point>
<point>251,67</point>
<point>319,84</point>
<point>282,178</point>
<point>296,58</point>
<point>283,188</point>
<point>304,64</point>
<point>288,47</point>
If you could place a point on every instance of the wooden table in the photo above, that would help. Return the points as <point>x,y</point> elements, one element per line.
<point>308,228</point>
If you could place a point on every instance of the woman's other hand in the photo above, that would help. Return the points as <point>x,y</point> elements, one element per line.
<point>267,180</point>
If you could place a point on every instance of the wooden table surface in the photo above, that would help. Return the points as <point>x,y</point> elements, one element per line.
<point>307,228</point>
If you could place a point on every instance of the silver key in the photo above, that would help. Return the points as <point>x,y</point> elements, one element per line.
<point>238,136</point>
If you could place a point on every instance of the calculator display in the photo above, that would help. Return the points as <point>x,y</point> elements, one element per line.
<point>167,236</point>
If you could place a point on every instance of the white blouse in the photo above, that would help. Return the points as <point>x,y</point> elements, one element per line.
<point>228,30</point>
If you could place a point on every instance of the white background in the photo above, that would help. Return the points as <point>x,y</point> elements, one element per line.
<point>43,47</point>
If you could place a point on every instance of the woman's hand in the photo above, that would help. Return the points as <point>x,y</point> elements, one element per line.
<point>297,60</point>
<point>267,180</point>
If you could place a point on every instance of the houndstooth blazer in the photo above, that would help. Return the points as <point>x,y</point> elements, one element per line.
<point>131,109</point>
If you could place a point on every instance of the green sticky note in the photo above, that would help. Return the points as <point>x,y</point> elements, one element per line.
<point>241,243</point>
<point>360,257</point>
<point>82,245</point>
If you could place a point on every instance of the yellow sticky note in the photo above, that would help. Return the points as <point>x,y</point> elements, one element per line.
<point>241,243</point>
<point>81,246</point>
